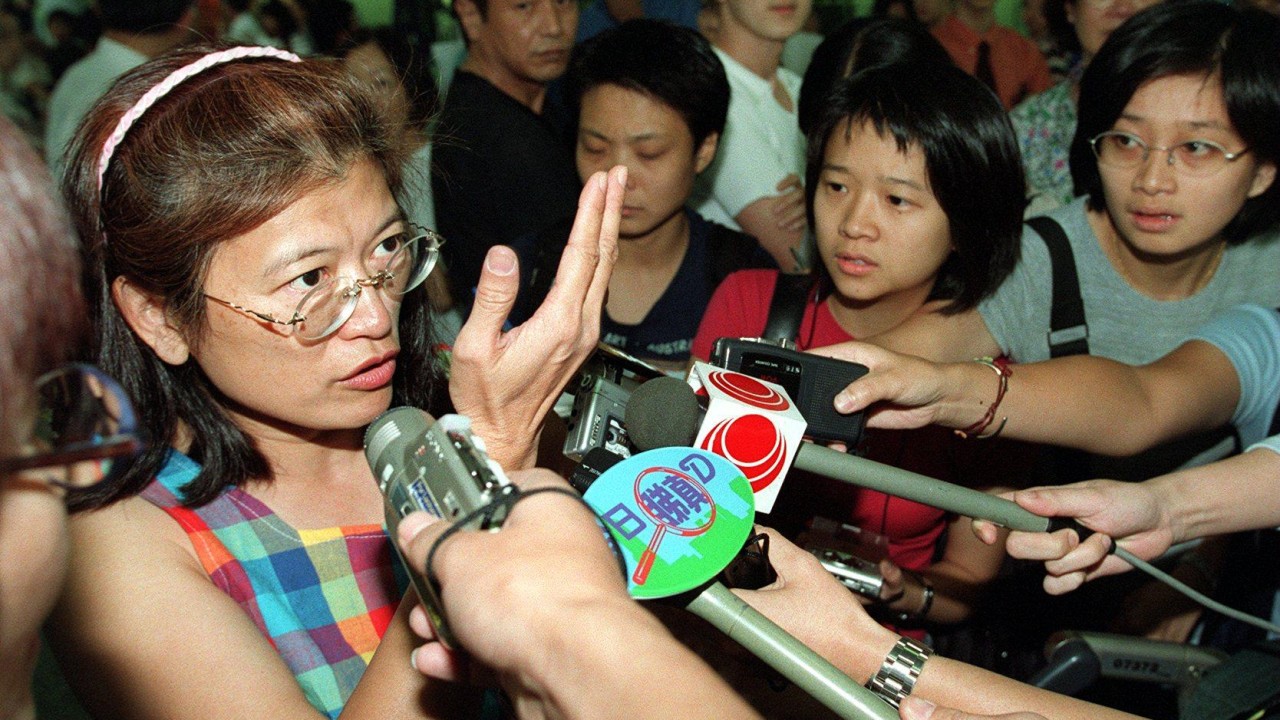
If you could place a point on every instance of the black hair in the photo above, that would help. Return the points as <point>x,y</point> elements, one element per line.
<point>970,154</point>
<point>1060,28</point>
<point>881,8</point>
<point>1193,37</point>
<point>857,45</point>
<point>331,23</point>
<point>152,16</point>
<point>412,63</point>
<point>278,11</point>
<point>672,64</point>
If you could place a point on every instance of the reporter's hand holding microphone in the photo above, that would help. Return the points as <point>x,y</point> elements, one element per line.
<point>542,602</point>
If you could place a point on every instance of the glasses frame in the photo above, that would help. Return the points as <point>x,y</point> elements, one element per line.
<point>1147,148</point>
<point>124,443</point>
<point>352,292</point>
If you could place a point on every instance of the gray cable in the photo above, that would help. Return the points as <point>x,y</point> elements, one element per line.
<point>1199,597</point>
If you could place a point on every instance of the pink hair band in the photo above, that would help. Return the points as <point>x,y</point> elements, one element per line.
<point>174,79</point>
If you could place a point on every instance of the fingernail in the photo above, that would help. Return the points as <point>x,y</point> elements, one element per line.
<point>918,707</point>
<point>412,524</point>
<point>843,403</point>
<point>413,659</point>
<point>602,180</point>
<point>622,176</point>
<point>501,260</point>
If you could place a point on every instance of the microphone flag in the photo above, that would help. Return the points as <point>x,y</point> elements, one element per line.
<point>680,515</point>
<point>752,423</point>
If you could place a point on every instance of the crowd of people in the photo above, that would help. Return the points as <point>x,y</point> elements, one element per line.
<point>242,230</point>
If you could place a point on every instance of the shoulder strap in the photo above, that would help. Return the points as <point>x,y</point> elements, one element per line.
<point>1068,331</point>
<point>786,310</point>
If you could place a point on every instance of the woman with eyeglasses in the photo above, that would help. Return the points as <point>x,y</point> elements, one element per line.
<point>1177,151</point>
<point>253,281</point>
<point>1046,122</point>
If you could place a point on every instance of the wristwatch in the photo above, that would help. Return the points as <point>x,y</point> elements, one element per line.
<point>897,676</point>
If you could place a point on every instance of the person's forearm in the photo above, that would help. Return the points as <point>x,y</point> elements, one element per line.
<point>1096,404</point>
<point>1220,497</point>
<point>860,651</point>
<point>956,592</point>
<point>1064,402</point>
<point>623,663</point>
<point>954,684</point>
<point>758,221</point>
<point>391,687</point>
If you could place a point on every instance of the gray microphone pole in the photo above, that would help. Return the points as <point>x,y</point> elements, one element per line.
<point>793,659</point>
<point>920,488</point>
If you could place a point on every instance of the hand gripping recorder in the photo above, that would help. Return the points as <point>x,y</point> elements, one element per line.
<point>811,381</point>
<point>436,466</point>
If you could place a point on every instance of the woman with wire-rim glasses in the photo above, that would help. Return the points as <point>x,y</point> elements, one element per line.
<point>254,283</point>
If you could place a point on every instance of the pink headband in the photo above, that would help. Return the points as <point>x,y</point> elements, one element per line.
<point>169,83</point>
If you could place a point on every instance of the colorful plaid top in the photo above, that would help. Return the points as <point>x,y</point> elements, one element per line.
<point>322,597</point>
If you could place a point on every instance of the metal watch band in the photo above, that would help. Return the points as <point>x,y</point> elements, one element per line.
<point>901,668</point>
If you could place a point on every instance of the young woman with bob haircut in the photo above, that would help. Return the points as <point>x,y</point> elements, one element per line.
<point>252,278</point>
<point>915,193</point>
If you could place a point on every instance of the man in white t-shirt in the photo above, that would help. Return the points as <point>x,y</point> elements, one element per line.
<point>754,184</point>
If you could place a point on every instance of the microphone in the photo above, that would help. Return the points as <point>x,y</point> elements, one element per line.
<point>748,421</point>
<point>660,415</point>
<point>680,516</point>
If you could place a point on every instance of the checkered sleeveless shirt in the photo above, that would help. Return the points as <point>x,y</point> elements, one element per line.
<point>322,597</point>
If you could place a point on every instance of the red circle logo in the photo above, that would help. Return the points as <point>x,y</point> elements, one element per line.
<point>748,390</point>
<point>753,443</point>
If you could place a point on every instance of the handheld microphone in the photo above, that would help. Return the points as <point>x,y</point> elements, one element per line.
<point>660,415</point>
<point>680,427</point>
<point>679,516</point>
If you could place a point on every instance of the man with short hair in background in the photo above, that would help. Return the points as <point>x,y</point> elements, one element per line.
<point>503,164</point>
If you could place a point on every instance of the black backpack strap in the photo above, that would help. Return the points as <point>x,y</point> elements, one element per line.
<point>1068,331</point>
<point>786,310</point>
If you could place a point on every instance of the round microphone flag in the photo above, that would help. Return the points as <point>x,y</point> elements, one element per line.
<point>680,516</point>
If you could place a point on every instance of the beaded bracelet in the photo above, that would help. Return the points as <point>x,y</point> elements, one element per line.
<point>1003,370</point>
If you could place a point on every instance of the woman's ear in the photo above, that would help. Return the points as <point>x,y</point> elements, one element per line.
<point>706,152</point>
<point>145,312</point>
<point>1263,176</point>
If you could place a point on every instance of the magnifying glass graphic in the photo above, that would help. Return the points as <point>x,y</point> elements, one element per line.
<point>676,502</point>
